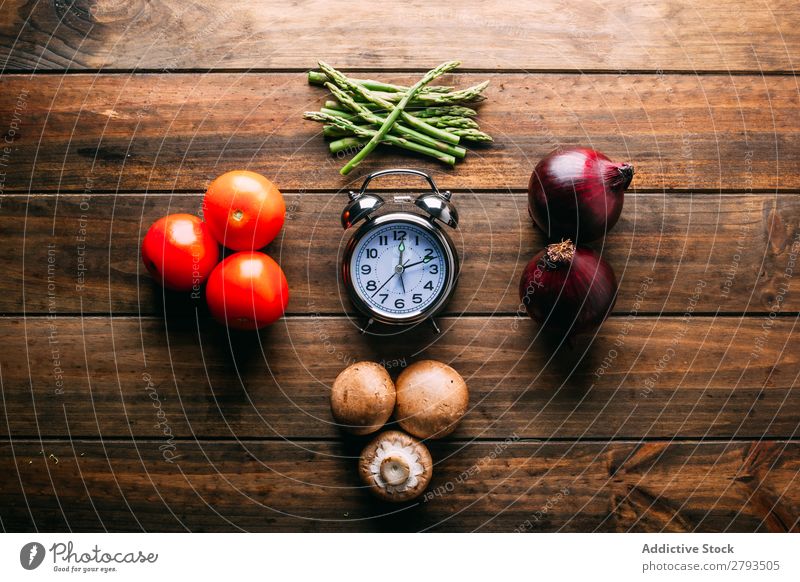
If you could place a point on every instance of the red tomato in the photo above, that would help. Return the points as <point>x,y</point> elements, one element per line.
<point>179,252</point>
<point>248,290</point>
<point>244,210</point>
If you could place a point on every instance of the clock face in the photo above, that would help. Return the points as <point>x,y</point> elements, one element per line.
<point>399,269</point>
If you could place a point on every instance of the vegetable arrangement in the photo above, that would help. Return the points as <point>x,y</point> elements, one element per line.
<point>428,401</point>
<point>243,211</point>
<point>429,120</point>
<point>576,193</point>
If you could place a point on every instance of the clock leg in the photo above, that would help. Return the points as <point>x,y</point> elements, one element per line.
<point>366,327</point>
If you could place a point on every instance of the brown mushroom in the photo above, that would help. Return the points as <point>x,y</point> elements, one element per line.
<point>431,399</point>
<point>362,398</point>
<point>396,466</point>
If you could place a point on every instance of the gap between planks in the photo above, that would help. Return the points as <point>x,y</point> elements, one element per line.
<point>397,70</point>
<point>351,315</point>
<point>11,440</point>
<point>321,191</point>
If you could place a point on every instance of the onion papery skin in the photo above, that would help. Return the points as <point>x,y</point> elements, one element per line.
<point>568,296</point>
<point>577,194</point>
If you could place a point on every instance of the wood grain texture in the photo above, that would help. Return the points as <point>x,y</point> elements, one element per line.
<point>123,409</point>
<point>548,34</point>
<point>313,486</point>
<point>738,247</point>
<point>651,377</point>
<point>167,132</point>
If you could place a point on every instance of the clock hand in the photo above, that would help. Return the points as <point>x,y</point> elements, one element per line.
<point>427,260</point>
<point>400,265</point>
<point>398,270</point>
<point>384,284</point>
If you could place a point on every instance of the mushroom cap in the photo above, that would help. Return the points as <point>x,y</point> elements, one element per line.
<point>395,466</point>
<point>431,399</point>
<point>362,398</point>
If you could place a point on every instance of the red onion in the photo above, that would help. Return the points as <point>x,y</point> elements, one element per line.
<point>577,194</point>
<point>568,290</point>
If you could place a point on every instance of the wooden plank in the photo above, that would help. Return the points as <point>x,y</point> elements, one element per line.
<point>739,247</point>
<point>169,34</point>
<point>90,133</point>
<point>653,377</point>
<point>312,486</point>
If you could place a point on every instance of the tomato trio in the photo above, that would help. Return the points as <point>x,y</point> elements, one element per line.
<point>243,211</point>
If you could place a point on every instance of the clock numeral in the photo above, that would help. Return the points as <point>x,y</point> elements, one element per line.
<point>416,240</point>
<point>384,297</point>
<point>372,285</point>
<point>428,286</point>
<point>399,304</point>
<point>417,298</point>
<point>383,240</point>
<point>366,269</point>
<point>372,253</point>
<point>434,269</point>
<point>399,235</point>
<point>428,255</point>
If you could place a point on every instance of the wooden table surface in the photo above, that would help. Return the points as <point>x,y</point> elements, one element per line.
<point>125,409</point>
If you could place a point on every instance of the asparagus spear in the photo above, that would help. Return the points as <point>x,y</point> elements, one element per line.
<point>468,95</point>
<point>318,78</point>
<point>437,111</point>
<point>424,113</point>
<point>398,128</point>
<point>362,112</point>
<point>375,137</point>
<point>458,152</point>
<point>470,134</point>
<point>331,104</point>
<point>333,131</point>
<point>345,83</point>
<point>347,144</point>
<point>465,134</point>
<point>447,121</point>
<point>428,95</point>
<point>339,113</point>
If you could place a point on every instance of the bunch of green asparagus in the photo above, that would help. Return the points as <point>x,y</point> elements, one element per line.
<point>430,120</point>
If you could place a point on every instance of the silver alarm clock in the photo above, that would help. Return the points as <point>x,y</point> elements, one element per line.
<point>400,268</point>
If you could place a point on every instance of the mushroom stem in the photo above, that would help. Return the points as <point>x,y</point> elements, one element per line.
<point>395,470</point>
<point>396,466</point>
